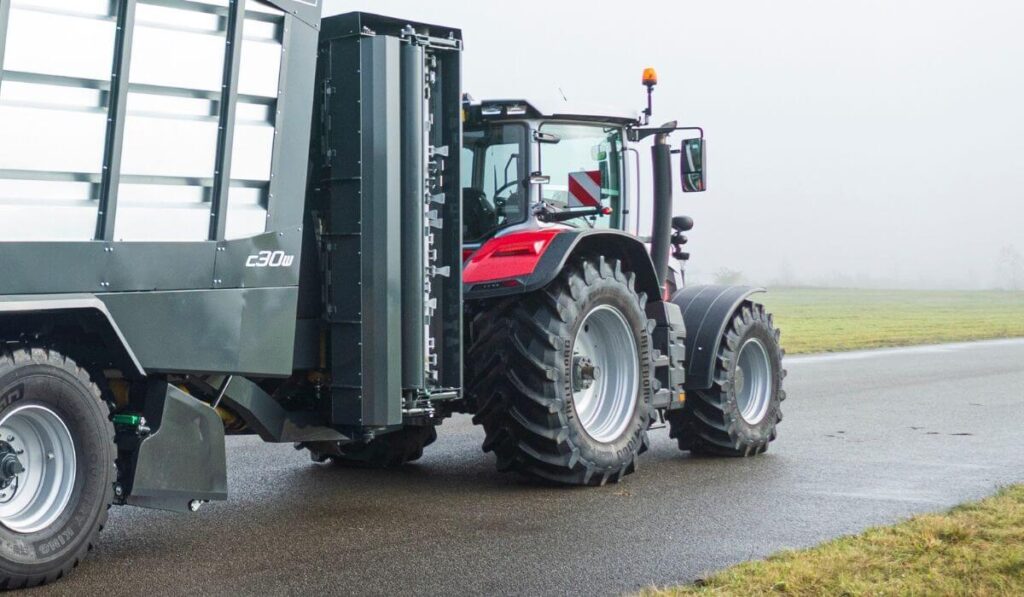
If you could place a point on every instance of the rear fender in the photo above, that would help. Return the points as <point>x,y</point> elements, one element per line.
<point>706,312</point>
<point>523,262</point>
<point>22,316</point>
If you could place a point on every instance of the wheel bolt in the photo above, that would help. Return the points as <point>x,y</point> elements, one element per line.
<point>49,455</point>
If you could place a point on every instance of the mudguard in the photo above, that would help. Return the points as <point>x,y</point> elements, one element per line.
<point>523,262</point>
<point>184,459</point>
<point>85,308</point>
<point>706,312</point>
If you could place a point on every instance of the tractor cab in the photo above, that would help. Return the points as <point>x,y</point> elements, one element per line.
<point>526,169</point>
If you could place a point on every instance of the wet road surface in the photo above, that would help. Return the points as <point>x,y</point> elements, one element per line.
<point>868,438</point>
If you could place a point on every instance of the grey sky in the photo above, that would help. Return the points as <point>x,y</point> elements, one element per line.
<point>870,142</point>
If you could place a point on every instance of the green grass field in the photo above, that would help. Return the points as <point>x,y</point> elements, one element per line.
<point>830,320</point>
<point>976,549</point>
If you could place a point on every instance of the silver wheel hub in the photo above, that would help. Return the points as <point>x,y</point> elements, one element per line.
<point>37,468</point>
<point>752,382</point>
<point>605,373</point>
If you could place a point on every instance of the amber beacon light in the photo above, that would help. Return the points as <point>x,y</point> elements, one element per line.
<point>650,77</point>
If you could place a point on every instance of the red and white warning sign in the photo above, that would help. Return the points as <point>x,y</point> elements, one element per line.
<point>585,189</point>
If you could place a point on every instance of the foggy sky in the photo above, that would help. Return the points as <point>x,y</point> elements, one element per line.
<point>850,142</point>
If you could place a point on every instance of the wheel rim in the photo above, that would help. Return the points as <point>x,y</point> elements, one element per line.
<point>605,373</point>
<point>37,468</point>
<point>753,381</point>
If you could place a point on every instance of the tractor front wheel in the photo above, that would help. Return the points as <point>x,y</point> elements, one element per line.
<point>739,414</point>
<point>561,378</point>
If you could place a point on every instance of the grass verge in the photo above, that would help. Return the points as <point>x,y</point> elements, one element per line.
<point>830,320</point>
<point>975,549</point>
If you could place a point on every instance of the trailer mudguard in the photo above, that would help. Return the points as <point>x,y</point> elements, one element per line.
<point>522,262</point>
<point>184,460</point>
<point>706,312</point>
<point>79,309</point>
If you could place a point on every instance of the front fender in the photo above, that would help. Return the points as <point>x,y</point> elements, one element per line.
<point>523,262</point>
<point>706,312</point>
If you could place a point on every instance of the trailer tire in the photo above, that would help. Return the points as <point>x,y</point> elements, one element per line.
<point>738,416</point>
<point>386,451</point>
<point>524,360</point>
<point>64,440</point>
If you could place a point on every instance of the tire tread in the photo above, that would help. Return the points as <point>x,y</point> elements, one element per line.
<point>12,358</point>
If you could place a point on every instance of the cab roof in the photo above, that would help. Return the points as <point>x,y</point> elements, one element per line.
<point>518,109</point>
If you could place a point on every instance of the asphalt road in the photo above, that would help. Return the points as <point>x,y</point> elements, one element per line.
<point>868,438</point>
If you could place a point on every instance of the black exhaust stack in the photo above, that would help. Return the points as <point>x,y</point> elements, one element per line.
<point>661,228</point>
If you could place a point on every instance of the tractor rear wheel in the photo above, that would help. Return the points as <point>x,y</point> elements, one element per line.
<point>386,451</point>
<point>561,378</point>
<point>739,414</point>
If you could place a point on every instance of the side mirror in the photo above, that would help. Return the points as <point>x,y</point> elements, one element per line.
<point>692,161</point>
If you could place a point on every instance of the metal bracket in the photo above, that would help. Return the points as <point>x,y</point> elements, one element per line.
<point>265,416</point>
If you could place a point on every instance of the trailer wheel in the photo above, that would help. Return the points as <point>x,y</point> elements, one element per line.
<point>56,466</point>
<point>561,378</point>
<point>738,416</point>
<point>386,451</point>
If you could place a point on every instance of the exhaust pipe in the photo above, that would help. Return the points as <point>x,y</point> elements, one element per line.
<point>661,228</point>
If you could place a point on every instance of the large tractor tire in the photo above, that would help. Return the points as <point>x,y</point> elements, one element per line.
<point>386,451</point>
<point>57,467</point>
<point>561,378</point>
<point>739,414</point>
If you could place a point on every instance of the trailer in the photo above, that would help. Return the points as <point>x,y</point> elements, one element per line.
<point>300,229</point>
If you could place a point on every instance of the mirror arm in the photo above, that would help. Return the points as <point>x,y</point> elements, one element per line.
<point>639,134</point>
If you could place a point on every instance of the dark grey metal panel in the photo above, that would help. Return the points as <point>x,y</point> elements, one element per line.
<point>5,18</point>
<point>448,132</point>
<point>117,108</point>
<point>68,267</point>
<point>226,124</point>
<point>267,339</point>
<point>414,192</point>
<point>56,267</point>
<point>706,312</point>
<point>358,189</point>
<point>158,266</point>
<point>241,331</point>
<point>309,11</point>
<point>184,459</point>
<point>381,278</point>
<point>267,260</point>
<point>266,417</point>
<point>293,122</point>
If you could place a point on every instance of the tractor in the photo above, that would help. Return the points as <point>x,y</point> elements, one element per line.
<point>580,334</point>
<point>301,229</point>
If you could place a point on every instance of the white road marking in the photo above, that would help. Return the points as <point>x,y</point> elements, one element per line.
<point>882,352</point>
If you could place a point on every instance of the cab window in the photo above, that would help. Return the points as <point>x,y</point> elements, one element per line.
<point>584,163</point>
<point>494,161</point>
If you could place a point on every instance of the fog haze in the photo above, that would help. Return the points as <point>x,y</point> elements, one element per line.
<point>850,143</point>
